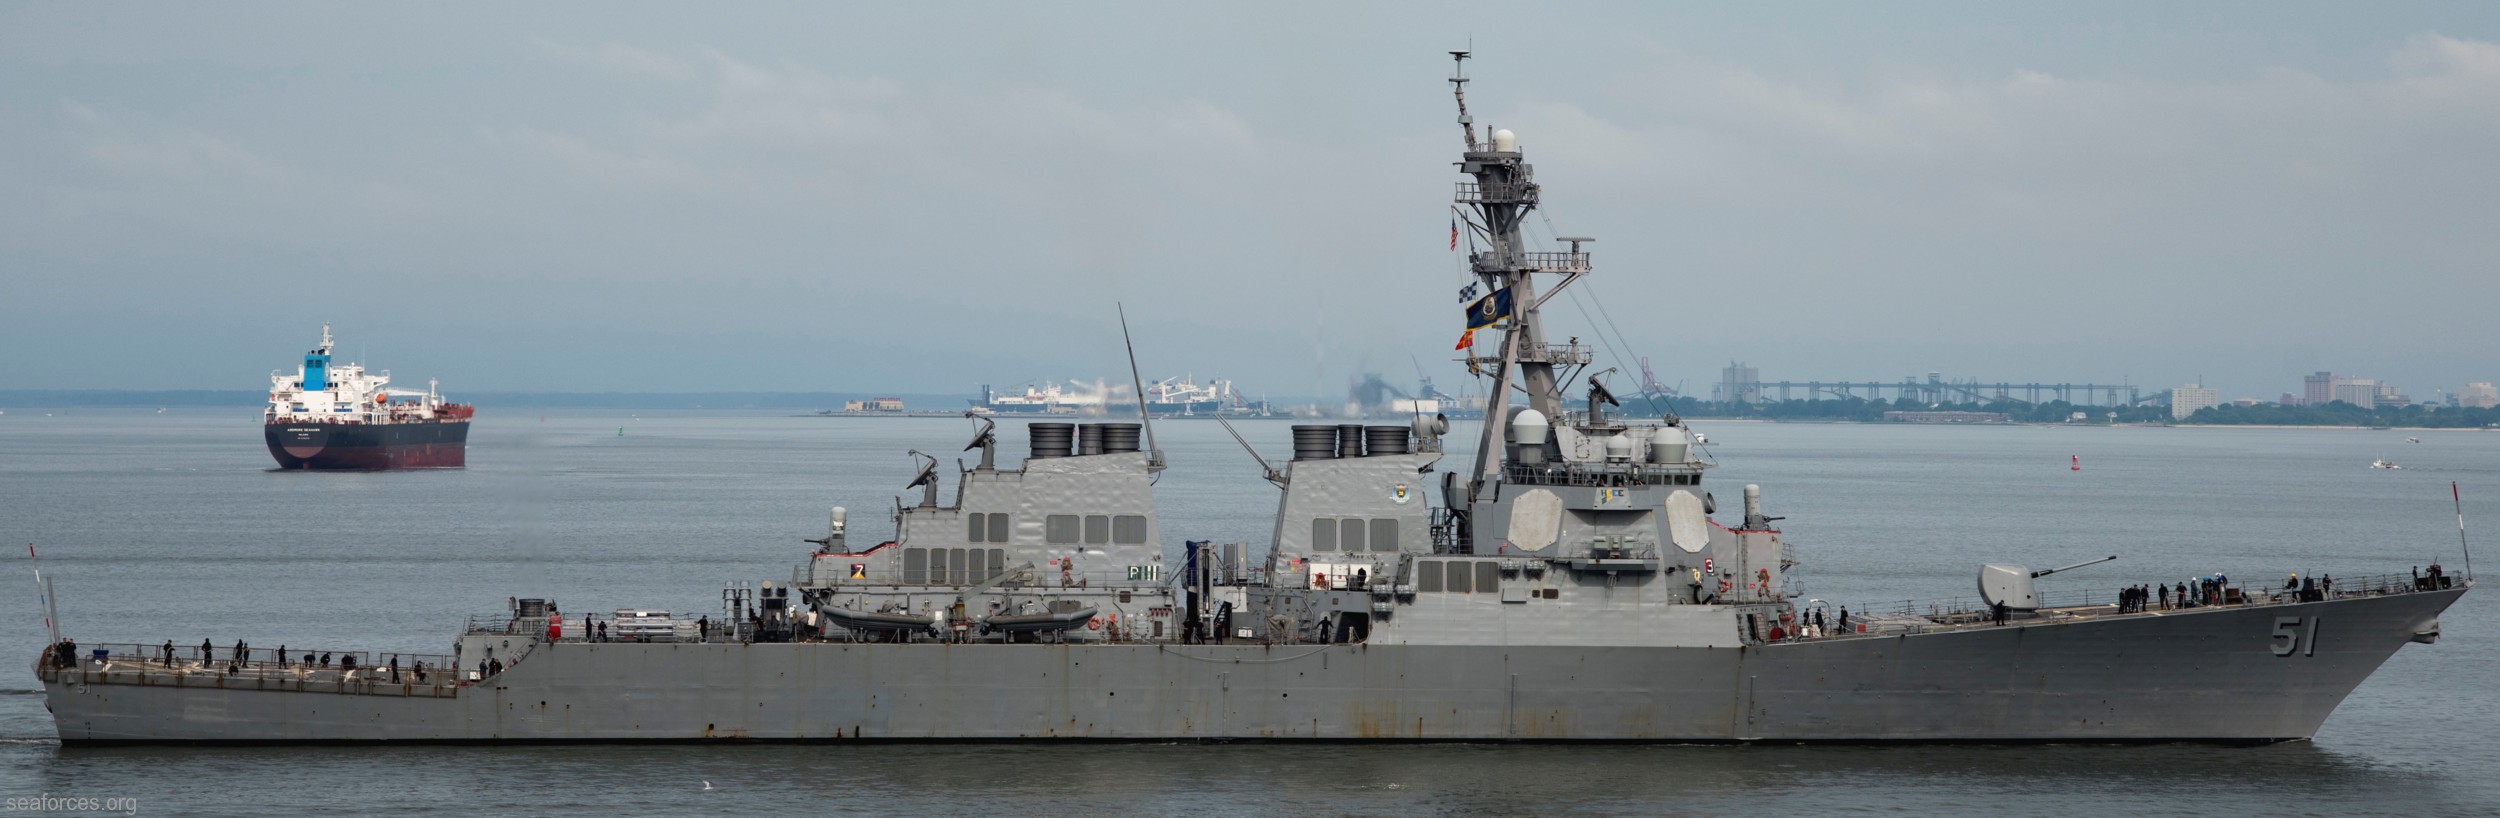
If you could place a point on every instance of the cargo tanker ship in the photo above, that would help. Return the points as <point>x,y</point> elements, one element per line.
<point>339,416</point>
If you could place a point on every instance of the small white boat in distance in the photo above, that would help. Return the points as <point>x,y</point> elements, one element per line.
<point>2384,463</point>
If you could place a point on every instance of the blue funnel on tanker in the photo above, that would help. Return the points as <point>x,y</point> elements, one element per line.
<point>317,364</point>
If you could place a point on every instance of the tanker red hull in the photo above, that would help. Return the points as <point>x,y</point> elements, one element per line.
<point>433,444</point>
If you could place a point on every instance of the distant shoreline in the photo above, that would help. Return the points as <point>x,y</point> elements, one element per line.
<point>1844,422</point>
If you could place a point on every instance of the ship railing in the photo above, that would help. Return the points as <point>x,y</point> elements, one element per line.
<point>1497,193</point>
<point>1563,354</point>
<point>1556,262</point>
<point>1601,474</point>
<point>1444,527</point>
<point>141,661</point>
<point>492,623</point>
<point>672,628</point>
<point>834,569</point>
<point>1556,354</point>
<point>1919,615</point>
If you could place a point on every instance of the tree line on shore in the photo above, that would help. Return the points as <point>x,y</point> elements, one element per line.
<point>2338,413</point>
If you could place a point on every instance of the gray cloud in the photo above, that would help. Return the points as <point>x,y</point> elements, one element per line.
<point>811,199</point>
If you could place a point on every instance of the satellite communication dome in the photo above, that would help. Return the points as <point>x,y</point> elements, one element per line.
<point>1528,427</point>
<point>1505,141</point>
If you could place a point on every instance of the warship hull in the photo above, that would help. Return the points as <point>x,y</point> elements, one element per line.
<point>2211,675</point>
<point>412,445</point>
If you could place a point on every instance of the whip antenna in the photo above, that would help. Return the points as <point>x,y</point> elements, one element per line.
<point>44,598</point>
<point>2453,496</point>
<point>1154,453</point>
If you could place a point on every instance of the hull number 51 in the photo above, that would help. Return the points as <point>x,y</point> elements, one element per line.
<point>2296,633</point>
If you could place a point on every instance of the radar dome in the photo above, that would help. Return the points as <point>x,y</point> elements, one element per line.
<point>1528,427</point>
<point>1505,141</point>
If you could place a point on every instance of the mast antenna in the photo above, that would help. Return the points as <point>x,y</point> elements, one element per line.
<point>43,598</point>
<point>1154,453</point>
<point>1458,88</point>
<point>2454,496</point>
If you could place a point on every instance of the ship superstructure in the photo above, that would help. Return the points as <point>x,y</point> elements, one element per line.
<point>331,415</point>
<point>1048,399</point>
<point>1571,581</point>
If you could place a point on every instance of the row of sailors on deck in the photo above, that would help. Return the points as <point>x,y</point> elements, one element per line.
<point>242,657</point>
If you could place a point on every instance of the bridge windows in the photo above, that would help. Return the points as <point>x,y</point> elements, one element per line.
<point>990,527</point>
<point>1351,534</point>
<point>952,566</point>
<point>1458,576</point>
<point>1090,529</point>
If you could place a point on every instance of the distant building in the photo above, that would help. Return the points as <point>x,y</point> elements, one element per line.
<point>2390,395</point>
<point>2319,388</point>
<point>2361,392</point>
<point>1740,383</point>
<point>2290,399</point>
<point>2185,400</point>
<point>2245,401</point>
<point>1949,417</point>
<point>873,405</point>
<point>2478,395</point>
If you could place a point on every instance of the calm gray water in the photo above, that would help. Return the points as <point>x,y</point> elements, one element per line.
<point>173,526</point>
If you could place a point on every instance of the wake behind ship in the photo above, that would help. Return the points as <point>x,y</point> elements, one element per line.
<point>338,416</point>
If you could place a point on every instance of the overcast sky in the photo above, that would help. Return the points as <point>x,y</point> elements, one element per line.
<point>904,198</point>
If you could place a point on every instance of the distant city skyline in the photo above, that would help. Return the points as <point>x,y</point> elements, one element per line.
<point>922,199</point>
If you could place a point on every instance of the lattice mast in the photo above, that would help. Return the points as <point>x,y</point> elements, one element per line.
<point>1495,206</point>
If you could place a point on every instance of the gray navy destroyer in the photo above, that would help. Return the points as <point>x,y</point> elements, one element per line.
<point>1570,582</point>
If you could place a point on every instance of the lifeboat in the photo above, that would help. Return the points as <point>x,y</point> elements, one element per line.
<point>1040,622</point>
<point>874,620</point>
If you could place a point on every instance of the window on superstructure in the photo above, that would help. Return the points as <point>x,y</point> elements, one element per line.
<point>998,563</point>
<point>1060,529</point>
<point>1488,576</point>
<point>957,569</point>
<point>979,530</point>
<point>1324,534</point>
<point>1459,578</point>
<point>1427,577</point>
<point>998,526</point>
<point>1097,529</point>
<point>1129,529</point>
<point>1350,534</point>
<point>1385,534</point>
<point>915,566</point>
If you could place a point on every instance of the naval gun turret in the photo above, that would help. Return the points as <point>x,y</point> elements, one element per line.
<point>2011,586</point>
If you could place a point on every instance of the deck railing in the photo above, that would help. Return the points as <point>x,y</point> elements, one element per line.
<point>220,656</point>
<point>1912,614</point>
